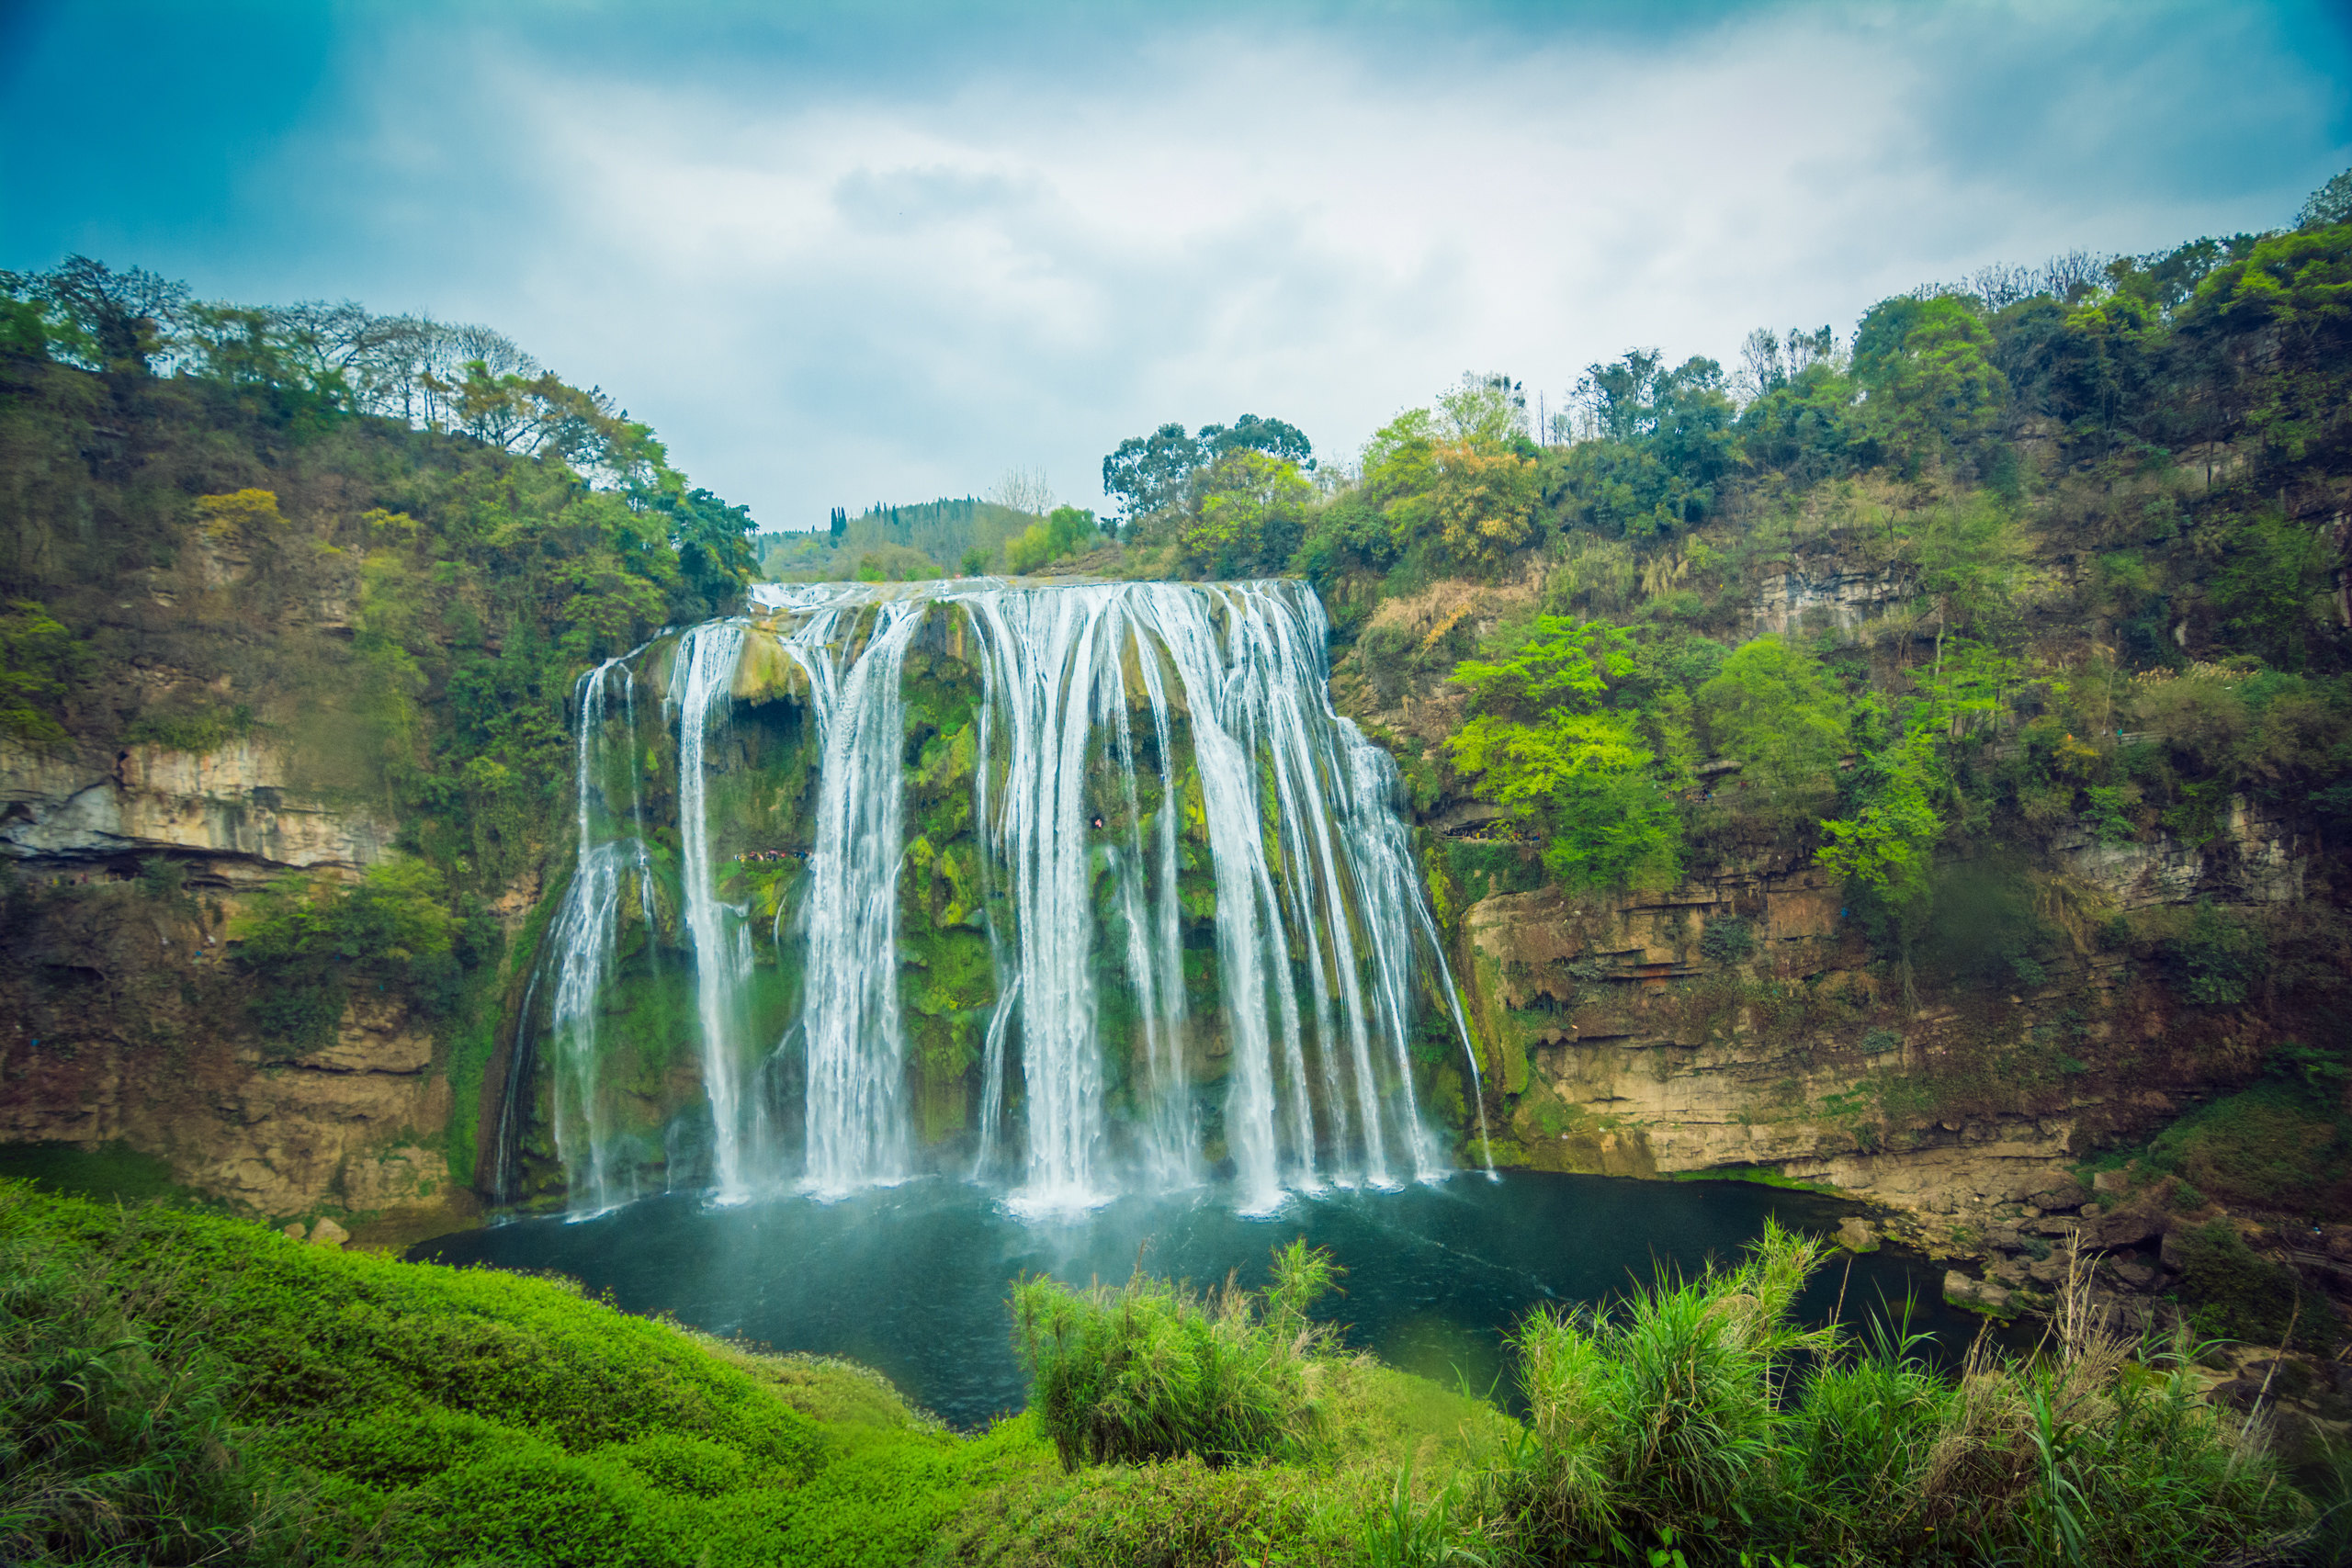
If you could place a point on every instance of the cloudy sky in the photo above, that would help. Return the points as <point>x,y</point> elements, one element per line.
<point>839,254</point>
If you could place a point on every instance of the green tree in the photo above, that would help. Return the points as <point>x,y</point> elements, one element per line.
<point>1252,516</point>
<point>1773,708</point>
<point>2331,203</point>
<point>39,658</point>
<point>1926,366</point>
<point>1276,438</point>
<point>712,541</point>
<point>1486,413</point>
<point>1544,745</point>
<point>1479,507</point>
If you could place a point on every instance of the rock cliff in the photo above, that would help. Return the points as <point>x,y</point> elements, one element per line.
<point>129,1025</point>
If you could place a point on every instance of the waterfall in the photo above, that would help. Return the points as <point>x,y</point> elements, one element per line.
<point>579,946</point>
<point>701,676</point>
<point>850,1021</point>
<point>1206,946</point>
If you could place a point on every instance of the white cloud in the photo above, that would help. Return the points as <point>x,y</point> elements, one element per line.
<point>834,290</point>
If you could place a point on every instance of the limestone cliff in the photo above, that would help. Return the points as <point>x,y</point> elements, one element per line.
<point>129,1025</point>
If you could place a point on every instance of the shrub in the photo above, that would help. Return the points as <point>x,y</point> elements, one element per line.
<point>2236,1294</point>
<point>1697,1416</point>
<point>1727,941</point>
<point>2216,958</point>
<point>1155,1370</point>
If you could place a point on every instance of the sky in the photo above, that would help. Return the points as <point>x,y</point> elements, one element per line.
<point>841,254</point>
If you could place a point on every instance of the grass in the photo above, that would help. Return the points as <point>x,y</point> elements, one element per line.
<point>190,1385</point>
<point>180,1388</point>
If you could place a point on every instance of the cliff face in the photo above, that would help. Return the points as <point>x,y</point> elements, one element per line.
<point>1749,1020</point>
<point>1742,1021</point>
<point>127,1023</point>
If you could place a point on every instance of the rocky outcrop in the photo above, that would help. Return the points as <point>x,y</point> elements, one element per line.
<point>129,1026</point>
<point>235,806</point>
<point>1742,1021</point>
<point>1825,596</point>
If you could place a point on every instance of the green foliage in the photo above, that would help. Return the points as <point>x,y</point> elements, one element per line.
<point>2236,1294</point>
<point>1248,516</point>
<point>115,1434</point>
<point>309,941</point>
<point>1577,774</point>
<point>2331,203</point>
<point>1728,940</point>
<point>1886,845</point>
<point>1773,708</point>
<point>187,1385</point>
<point>38,662</point>
<point>1065,532</point>
<point>1926,367</point>
<point>2281,1143</point>
<point>1688,1420</point>
<point>193,730</point>
<point>2215,958</point>
<point>1155,1370</point>
<point>1157,478</point>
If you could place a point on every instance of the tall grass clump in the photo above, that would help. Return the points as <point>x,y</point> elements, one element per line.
<point>1697,1419</point>
<point>114,1437</point>
<point>1153,1369</point>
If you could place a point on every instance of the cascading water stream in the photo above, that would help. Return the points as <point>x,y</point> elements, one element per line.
<point>856,1046</point>
<point>700,679</point>
<point>1196,892</point>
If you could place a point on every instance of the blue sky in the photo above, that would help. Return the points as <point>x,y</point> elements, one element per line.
<point>839,254</point>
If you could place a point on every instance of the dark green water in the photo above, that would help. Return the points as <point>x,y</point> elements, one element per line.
<point>912,1278</point>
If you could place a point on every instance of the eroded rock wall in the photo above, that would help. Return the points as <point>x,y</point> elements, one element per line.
<point>1743,1021</point>
<point>127,1023</point>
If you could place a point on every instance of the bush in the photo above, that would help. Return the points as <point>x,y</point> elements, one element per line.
<point>2236,1294</point>
<point>1155,1370</point>
<point>1698,1422</point>
<point>2216,959</point>
<point>1729,941</point>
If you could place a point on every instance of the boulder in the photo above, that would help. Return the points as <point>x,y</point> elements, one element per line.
<point>2139,1276</point>
<point>1856,1234</point>
<point>2111,1181</point>
<point>2065,1195</point>
<point>1963,1291</point>
<point>295,1231</point>
<point>326,1233</point>
<point>2127,1224</point>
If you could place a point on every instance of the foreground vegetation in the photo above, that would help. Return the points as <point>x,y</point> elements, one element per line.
<point>180,1388</point>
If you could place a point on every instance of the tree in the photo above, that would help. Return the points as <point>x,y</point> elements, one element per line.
<point>1885,848</point>
<point>1545,746</point>
<point>1152,476</point>
<point>1023,489</point>
<point>1252,514</point>
<point>39,658</point>
<point>1276,438</point>
<point>1927,370</point>
<point>125,318</point>
<point>714,545</point>
<point>1486,412</point>
<point>1479,506</point>
<point>2331,203</point>
<point>1773,708</point>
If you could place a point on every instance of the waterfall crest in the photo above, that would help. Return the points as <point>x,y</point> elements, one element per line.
<point>1079,887</point>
